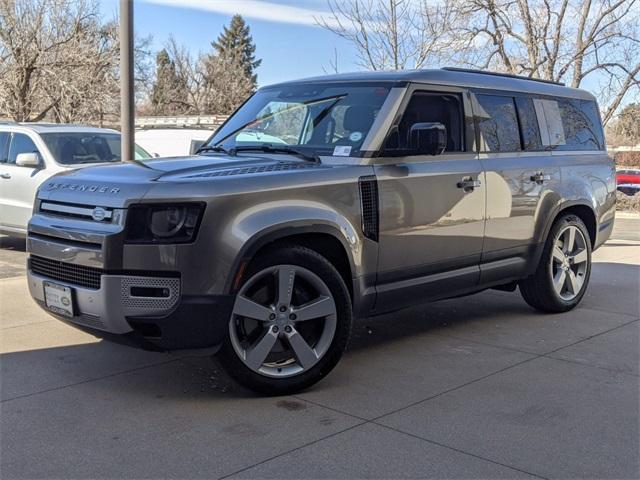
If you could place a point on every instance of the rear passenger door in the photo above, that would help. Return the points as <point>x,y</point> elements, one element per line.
<point>519,171</point>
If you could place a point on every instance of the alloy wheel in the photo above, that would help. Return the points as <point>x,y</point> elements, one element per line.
<point>283,322</point>
<point>569,262</point>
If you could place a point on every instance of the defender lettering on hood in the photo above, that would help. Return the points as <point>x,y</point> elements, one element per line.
<point>81,188</point>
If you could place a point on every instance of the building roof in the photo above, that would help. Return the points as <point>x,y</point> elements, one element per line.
<point>453,77</point>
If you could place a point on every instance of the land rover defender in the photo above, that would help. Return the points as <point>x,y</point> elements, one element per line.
<point>328,199</point>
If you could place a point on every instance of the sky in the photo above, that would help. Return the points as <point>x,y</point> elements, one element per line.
<point>287,40</point>
<point>287,37</point>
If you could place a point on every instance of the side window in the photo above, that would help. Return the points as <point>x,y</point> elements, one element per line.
<point>20,143</point>
<point>569,124</point>
<point>4,143</point>
<point>581,124</point>
<point>498,124</point>
<point>529,129</point>
<point>430,107</point>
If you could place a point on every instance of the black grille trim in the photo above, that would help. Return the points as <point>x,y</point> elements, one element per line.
<point>57,209</point>
<point>80,275</point>
<point>369,205</point>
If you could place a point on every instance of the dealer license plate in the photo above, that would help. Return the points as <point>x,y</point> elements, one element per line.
<point>58,298</point>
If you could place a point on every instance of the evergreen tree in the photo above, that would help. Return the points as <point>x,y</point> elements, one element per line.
<point>167,90</point>
<point>235,45</point>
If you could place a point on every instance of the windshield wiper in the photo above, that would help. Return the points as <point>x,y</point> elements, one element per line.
<point>310,157</point>
<point>212,148</point>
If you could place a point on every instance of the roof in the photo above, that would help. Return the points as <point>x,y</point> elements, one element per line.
<point>453,77</point>
<point>41,127</point>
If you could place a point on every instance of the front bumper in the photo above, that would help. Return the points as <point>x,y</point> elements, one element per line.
<point>108,307</point>
<point>155,295</point>
<point>169,323</point>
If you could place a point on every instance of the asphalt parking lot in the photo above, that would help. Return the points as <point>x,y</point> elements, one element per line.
<point>476,387</point>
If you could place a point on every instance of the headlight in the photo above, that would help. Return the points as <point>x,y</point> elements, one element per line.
<point>163,223</point>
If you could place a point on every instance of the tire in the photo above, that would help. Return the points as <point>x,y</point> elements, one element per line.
<point>562,276</point>
<point>299,347</point>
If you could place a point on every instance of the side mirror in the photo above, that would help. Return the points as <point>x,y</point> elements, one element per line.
<point>28,160</point>
<point>428,138</point>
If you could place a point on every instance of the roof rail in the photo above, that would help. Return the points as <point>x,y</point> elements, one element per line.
<point>498,74</point>
<point>7,122</point>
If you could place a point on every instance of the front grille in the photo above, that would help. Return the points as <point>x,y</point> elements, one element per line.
<point>79,275</point>
<point>82,212</point>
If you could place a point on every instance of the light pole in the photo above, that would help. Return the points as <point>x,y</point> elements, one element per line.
<point>127,107</point>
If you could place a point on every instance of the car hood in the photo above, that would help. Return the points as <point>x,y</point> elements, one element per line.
<point>117,185</point>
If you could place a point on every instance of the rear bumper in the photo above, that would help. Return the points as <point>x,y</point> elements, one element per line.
<point>170,322</point>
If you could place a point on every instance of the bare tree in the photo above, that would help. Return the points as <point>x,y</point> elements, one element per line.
<point>394,34</point>
<point>227,83</point>
<point>592,43</point>
<point>215,84</point>
<point>572,41</point>
<point>625,128</point>
<point>59,61</point>
<point>190,73</point>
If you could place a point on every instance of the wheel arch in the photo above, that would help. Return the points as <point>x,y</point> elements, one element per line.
<point>582,210</point>
<point>324,238</point>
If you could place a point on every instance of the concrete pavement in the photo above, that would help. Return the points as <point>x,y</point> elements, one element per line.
<point>476,387</point>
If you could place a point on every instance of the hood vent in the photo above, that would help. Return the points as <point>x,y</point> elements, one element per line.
<point>276,167</point>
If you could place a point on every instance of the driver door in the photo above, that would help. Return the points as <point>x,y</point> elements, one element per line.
<point>432,207</point>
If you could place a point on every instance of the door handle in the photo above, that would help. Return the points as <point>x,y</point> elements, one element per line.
<point>5,175</point>
<point>468,184</point>
<point>540,178</point>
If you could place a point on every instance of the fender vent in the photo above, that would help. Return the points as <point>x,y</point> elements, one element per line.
<point>369,204</point>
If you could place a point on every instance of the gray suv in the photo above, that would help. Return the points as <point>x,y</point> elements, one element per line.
<point>328,199</point>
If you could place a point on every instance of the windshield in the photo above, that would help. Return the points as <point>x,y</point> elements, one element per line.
<point>321,119</point>
<point>73,148</point>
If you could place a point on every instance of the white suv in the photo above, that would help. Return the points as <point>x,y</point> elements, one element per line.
<point>31,153</point>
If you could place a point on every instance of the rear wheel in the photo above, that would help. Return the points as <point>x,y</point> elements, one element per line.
<point>290,323</point>
<point>562,276</point>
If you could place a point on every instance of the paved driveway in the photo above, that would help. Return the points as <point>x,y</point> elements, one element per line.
<point>476,387</point>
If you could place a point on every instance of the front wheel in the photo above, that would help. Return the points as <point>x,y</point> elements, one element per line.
<point>562,276</point>
<point>290,323</point>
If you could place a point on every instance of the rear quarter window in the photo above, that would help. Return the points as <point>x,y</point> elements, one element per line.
<point>569,124</point>
<point>581,123</point>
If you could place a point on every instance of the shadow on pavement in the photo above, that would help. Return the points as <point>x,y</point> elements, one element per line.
<point>189,376</point>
